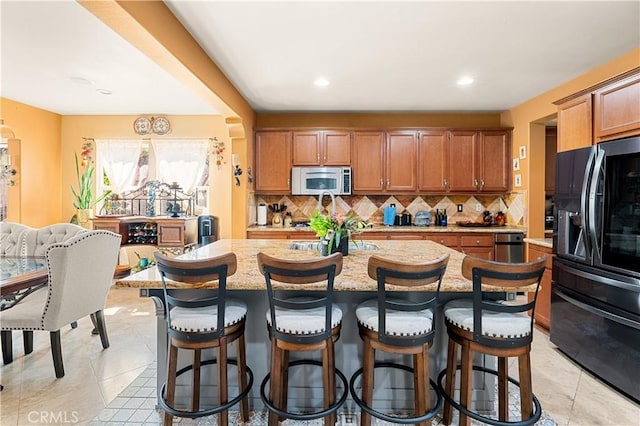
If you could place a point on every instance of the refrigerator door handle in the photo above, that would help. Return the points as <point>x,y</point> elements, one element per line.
<point>591,203</point>
<point>596,311</point>
<point>598,278</point>
<point>584,203</point>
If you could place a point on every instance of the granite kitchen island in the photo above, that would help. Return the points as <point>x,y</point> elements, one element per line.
<point>352,286</point>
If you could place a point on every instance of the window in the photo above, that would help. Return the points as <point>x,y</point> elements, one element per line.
<point>126,169</point>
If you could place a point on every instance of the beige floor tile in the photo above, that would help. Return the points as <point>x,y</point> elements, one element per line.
<point>112,386</point>
<point>598,404</point>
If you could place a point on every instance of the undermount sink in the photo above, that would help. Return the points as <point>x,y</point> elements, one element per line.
<point>315,245</point>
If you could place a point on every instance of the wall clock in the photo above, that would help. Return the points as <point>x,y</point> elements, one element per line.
<point>161,126</point>
<point>142,126</point>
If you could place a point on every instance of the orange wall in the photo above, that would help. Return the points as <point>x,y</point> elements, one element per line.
<point>40,176</point>
<point>75,127</point>
<point>528,120</point>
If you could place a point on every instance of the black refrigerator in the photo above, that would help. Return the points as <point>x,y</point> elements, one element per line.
<point>595,300</point>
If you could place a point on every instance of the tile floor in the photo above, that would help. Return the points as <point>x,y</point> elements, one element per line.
<point>100,383</point>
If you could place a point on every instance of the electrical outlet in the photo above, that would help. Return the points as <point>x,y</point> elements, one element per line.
<point>478,207</point>
<point>459,208</point>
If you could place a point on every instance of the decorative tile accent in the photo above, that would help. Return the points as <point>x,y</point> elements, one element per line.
<point>370,207</point>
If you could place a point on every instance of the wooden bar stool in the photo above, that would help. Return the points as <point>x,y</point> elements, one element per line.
<point>195,324</point>
<point>492,328</point>
<point>302,324</point>
<point>398,326</point>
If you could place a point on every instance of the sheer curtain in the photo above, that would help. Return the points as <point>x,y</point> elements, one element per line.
<point>180,160</point>
<point>119,158</point>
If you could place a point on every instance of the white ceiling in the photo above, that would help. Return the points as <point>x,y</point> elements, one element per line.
<point>378,56</point>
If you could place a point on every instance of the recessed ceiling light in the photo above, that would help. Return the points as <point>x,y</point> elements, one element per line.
<point>321,82</point>
<point>81,80</point>
<point>104,91</point>
<point>464,81</point>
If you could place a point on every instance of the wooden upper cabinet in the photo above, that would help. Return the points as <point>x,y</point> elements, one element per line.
<point>336,147</point>
<point>321,148</point>
<point>368,161</point>
<point>494,171</point>
<point>616,109</point>
<point>463,161</point>
<point>273,162</point>
<point>433,161</point>
<point>574,123</point>
<point>401,161</point>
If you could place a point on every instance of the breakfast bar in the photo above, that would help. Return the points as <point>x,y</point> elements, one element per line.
<point>351,287</point>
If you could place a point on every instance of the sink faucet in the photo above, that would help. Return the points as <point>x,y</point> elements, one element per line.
<point>333,201</point>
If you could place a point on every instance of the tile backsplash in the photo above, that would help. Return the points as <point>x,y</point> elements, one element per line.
<point>370,207</point>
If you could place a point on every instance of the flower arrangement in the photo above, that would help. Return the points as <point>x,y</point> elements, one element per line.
<point>335,227</point>
<point>83,195</point>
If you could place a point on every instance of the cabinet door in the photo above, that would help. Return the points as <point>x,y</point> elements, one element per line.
<point>171,234</point>
<point>401,161</point>
<point>450,241</point>
<point>495,161</point>
<point>433,161</point>
<point>574,123</point>
<point>462,161</point>
<point>543,302</point>
<point>306,148</point>
<point>616,109</point>
<point>336,148</point>
<point>273,162</point>
<point>368,161</point>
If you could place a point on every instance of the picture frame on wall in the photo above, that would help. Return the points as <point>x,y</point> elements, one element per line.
<point>516,164</point>
<point>523,152</point>
<point>518,180</point>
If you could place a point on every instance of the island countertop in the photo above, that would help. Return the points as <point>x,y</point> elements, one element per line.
<point>354,275</point>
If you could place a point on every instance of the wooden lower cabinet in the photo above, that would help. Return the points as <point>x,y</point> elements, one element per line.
<point>542,314</point>
<point>175,233</point>
<point>473,244</point>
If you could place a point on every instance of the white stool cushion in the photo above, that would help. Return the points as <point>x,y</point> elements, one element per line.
<point>307,321</point>
<point>202,320</point>
<point>26,314</point>
<point>399,323</point>
<point>459,312</point>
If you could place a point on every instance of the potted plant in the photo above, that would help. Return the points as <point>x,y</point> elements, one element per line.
<point>336,230</point>
<point>83,196</point>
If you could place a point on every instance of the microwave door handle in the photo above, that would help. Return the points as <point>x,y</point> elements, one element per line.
<point>592,204</point>
<point>584,202</point>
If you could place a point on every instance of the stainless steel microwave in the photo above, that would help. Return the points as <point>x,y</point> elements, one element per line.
<point>315,180</point>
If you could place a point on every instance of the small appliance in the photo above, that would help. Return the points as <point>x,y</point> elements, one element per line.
<point>422,218</point>
<point>317,180</point>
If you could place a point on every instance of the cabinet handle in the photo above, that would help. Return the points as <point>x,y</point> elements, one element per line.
<point>475,183</point>
<point>482,182</point>
<point>289,183</point>
<point>381,183</point>
<point>445,184</point>
<point>478,242</point>
<point>318,158</point>
<point>387,183</point>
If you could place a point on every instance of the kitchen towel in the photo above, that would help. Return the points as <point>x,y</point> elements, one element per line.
<point>262,215</point>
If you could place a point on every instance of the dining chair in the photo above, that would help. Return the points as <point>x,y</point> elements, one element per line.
<point>80,274</point>
<point>500,329</point>
<point>12,238</point>
<point>399,325</point>
<point>302,324</point>
<point>200,319</point>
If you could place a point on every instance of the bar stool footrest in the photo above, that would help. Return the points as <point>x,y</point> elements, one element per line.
<point>393,419</point>
<point>211,411</point>
<point>307,416</point>
<point>537,408</point>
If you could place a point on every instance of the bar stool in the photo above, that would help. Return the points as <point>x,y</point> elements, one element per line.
<point>398,326</point>
<point>302,324</point>
<point>195,324</point>
<point>492,328</point>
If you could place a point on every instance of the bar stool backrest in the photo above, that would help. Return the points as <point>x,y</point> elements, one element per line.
<point>387,272</point>
<point>513,276</point>
<point>193,274</point>
<point>300,272</point>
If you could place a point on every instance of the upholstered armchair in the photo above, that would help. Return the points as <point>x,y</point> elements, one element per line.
<point>12,238</point>
<point>36,240</point>
<point>80,275</point>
